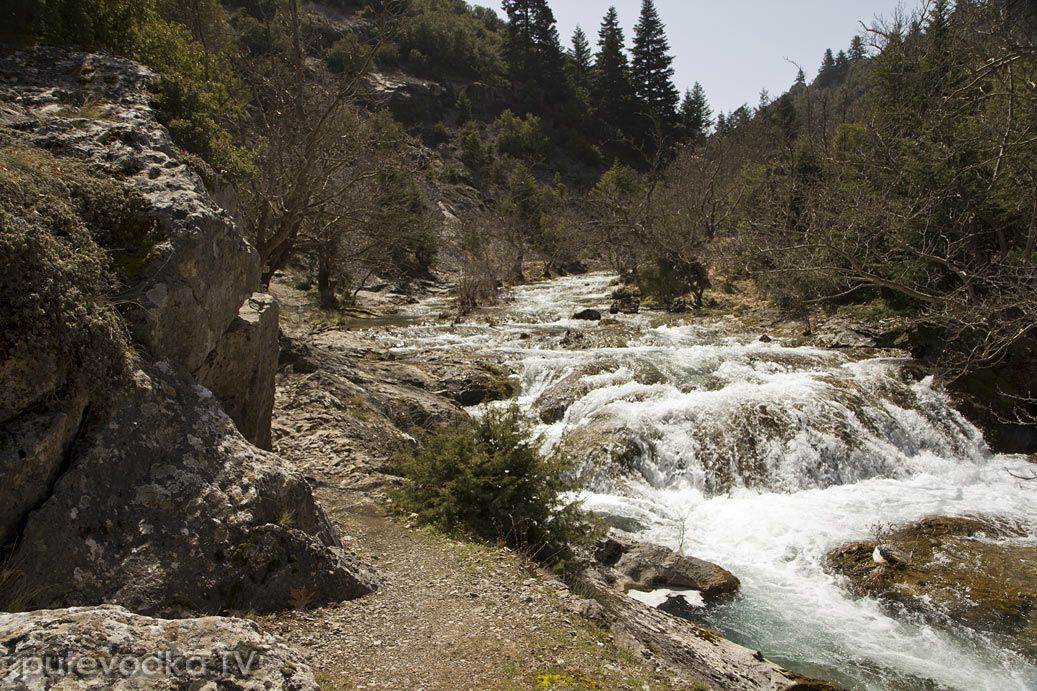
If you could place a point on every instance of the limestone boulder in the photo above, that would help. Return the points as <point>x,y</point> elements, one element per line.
<point>167,510</point>
<point>640,566</point>
<point>108,647</point>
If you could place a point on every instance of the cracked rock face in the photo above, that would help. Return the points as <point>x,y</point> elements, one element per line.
<point>109,648</point>
<point>167,510</point>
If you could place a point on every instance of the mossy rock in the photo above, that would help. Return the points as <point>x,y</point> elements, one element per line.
<point>968,571</point>
<point>71,237</point>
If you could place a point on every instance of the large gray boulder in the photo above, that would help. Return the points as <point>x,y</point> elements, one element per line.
<point>167,510</point>
<point>640,566</point>
<point>109,648</point>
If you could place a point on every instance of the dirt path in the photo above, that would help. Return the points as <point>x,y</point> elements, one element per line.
<point>453,615</point>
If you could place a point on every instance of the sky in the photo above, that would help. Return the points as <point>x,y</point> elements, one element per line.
<point>735,48</point>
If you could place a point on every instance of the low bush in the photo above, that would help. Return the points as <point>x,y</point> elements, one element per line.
<point>486,478</point>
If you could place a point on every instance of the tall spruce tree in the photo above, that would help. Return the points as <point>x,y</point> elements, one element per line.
<point>696,117</point>
<point>533,52</point>
<point>611,89</point>
<point>651,72</point>
<point>581,58</point>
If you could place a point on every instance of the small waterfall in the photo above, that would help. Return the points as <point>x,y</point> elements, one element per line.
<point>762,457</point>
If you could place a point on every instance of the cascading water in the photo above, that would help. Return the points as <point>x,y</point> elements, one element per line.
<point>762,458</point>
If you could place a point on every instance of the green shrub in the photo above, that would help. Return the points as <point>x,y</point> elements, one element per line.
<point>486,478</point>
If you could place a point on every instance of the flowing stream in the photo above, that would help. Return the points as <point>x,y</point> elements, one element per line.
<point>761,457</point>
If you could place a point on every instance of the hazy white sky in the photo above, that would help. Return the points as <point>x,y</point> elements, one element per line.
<point>735,48</point>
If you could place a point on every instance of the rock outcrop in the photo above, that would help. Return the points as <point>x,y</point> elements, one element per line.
<point>191,290</point>
<point>967,571</point>
<point>240,371</point>
<point>167,510</point>
<point>108,647</point>
<point>33,448</point>
<point>151,498</point>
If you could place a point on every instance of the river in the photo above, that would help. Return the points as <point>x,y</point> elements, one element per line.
<point>761,457</point>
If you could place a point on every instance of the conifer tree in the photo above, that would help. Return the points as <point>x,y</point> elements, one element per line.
<point>857,51</point>
<point>827,63</point>
<point>612,92</point>
<point>695,114</point>
<point>581,57</point>
<point>651,72</point>
<point>533,52</point>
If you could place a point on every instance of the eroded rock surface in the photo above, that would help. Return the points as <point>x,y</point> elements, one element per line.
<point>166,509</point>
<point>107,647</point>
<point>187,302</point>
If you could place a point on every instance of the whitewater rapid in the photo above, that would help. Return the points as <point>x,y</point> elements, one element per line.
<point>761,457</point>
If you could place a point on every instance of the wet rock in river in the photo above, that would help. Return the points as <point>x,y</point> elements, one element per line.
<point>969,571</point>
<point>588,315</point>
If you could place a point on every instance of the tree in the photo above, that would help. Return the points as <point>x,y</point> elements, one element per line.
<point>857,51</point>
<point>695,114</point>
<point>650,68</point>
<point>533,52</point>
<point>327,182</point>
<point>581,58</point>
<point>612,92</point>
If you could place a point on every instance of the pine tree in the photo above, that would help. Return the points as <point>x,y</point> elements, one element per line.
<point>857,51</point>
<point>612,92</point>
<point>695,114</point>
<point>801,79</point>
<point>581,57</point>
<point>650,68</point>
<point>827,63</point>
<point>533,52</point>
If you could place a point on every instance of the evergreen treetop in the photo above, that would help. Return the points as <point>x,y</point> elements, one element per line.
<point>612,89</point>
<point>651,69</point>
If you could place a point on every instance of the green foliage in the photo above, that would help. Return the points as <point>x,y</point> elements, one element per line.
<point>486,478</point>
<point>475,152</point>
<point>522,138</point>
<point>447,38</point>
<point>464,108</point>
<point>56,216</point>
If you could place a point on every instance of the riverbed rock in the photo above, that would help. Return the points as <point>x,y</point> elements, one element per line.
<point>108,647</point>
<point>688,648</point>
<point>167,510</point>
<point>629,305</point>
<point>588,315</point>
<point>640,566</point>
<point>345,412</point>
<point>967,571</point>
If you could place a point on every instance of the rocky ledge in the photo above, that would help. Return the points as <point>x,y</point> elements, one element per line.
<point>974,572</point>
<point>110,648</point>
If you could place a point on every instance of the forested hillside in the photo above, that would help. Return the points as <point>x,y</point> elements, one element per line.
<point>901,178</point>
